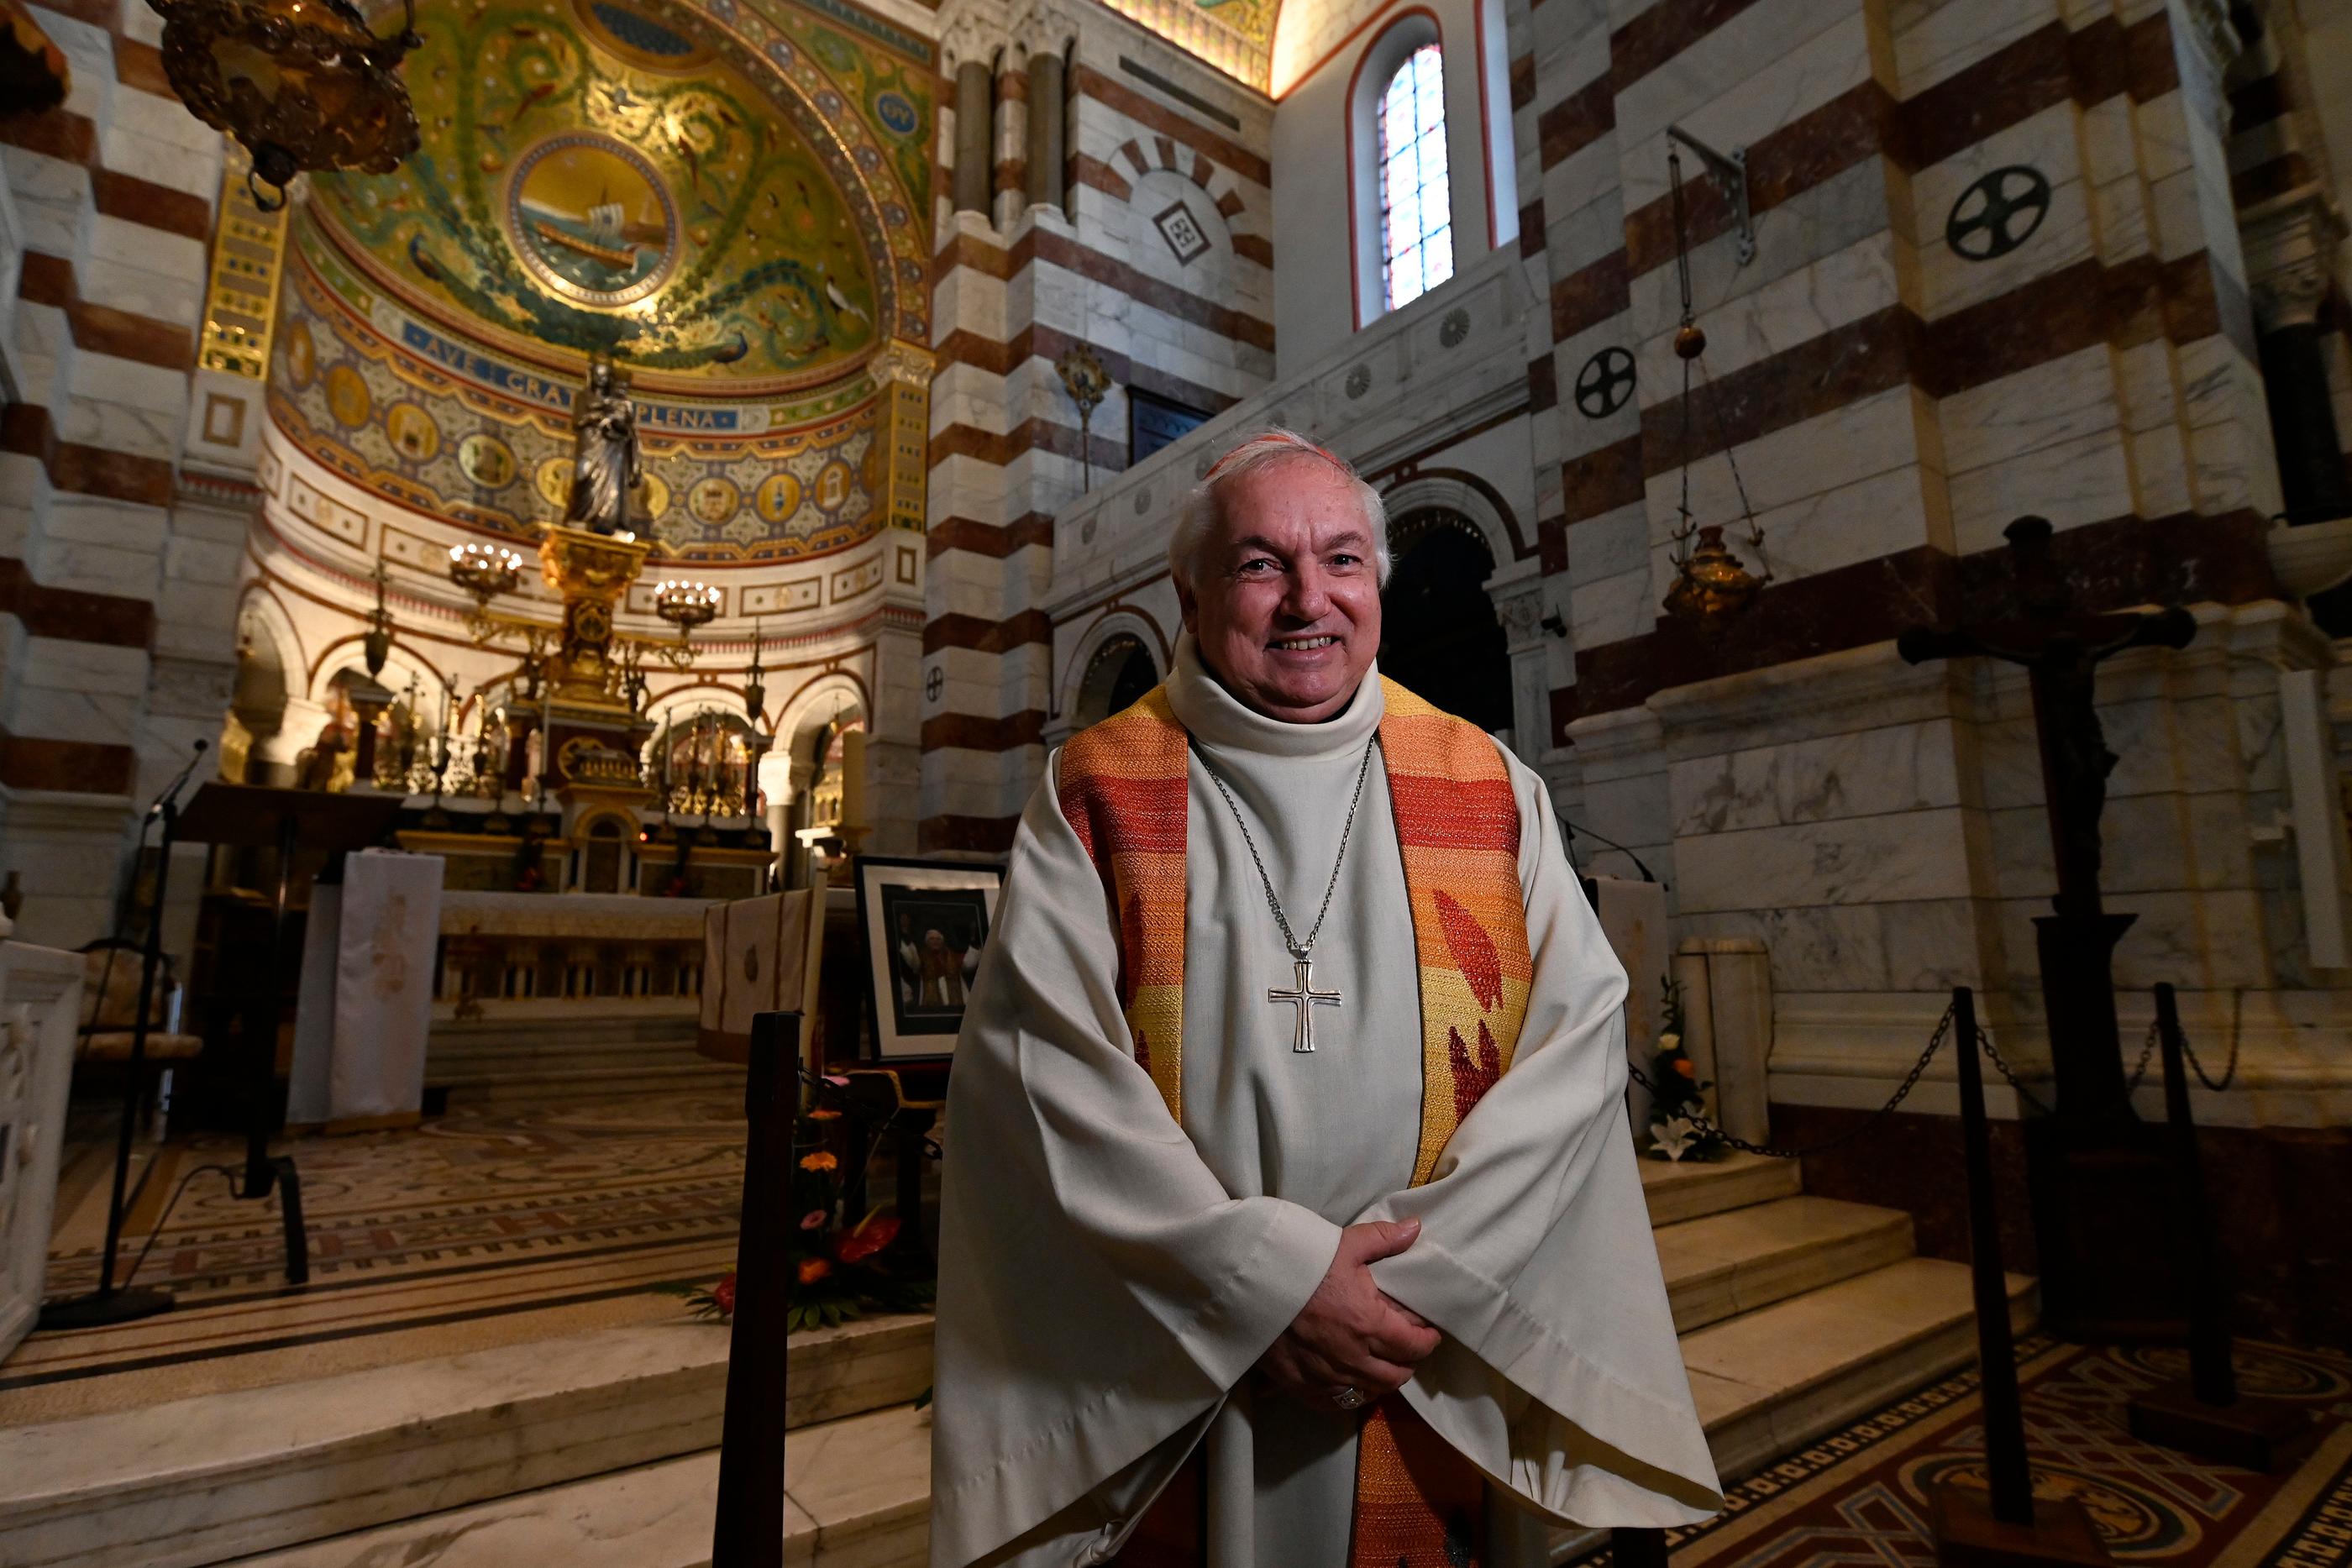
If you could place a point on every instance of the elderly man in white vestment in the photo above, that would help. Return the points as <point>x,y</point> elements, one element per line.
<point>1291,1215</point>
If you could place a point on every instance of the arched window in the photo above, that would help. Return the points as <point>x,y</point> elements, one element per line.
<point>1416,196</point>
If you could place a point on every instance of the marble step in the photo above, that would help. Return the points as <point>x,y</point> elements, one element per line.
<point>555,1037</point>
<point>1770,1382</point>
<point>1678,1191</point>
<point>857,1491</point>
<point>1767,1383</point>
<point>205,1480</point>
<point>854,1368</point>
<point>1723,1264</point>
<point>653,1516</point>
<point>552,1083</point>
<point>587,1017</point>
<point>1716,1267</point>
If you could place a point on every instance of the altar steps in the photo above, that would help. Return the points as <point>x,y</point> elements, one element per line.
<point>507,1057</point>
<point>653,1516</point>
<point>225,1476</point>
<point>1796,1314</point>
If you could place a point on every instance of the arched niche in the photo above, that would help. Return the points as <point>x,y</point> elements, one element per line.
<point>1439,637</point>
<point>1091,682</point>
<point>1122,671</point>
<point>1511,590</point>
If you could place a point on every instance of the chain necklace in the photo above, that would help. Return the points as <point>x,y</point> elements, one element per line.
<point>1302,993</point>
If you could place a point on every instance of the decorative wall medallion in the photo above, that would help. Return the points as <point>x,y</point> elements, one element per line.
<point>1604,383</point>
<point>1143,502</point>
<point>1455,327</point>
<point>348,398</point>
<point>932,682</point>
<point>302,355</point>
<point>1086,531</point>
<point>487,461</point>
<point>714,500</point>
<point>832,485</point>
<point>778,497</point>
<point>1183,232</point>
<point>1359,382</point>
<point>553,482</point>
<point>897,115</point>
<point>653,497</point>
<point>1998,213</point>
<point>591,219</point>
<point>414,434</point>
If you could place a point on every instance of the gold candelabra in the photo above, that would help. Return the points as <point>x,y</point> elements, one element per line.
<point>684,605</point>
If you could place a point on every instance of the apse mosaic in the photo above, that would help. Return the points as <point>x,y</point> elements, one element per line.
<point>723,483</point>
<point>738,194</point>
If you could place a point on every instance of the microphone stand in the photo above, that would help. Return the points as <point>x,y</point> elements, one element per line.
<point>107,1305</point>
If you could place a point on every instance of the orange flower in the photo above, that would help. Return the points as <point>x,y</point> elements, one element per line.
<point>824,1114</point>
<point>812,1269</point>
<point>819,1161</point>
<point>1683,1066</point>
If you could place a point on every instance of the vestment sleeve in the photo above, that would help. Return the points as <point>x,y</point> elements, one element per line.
<point>1561,1376</point>
<point>1098,1288</point>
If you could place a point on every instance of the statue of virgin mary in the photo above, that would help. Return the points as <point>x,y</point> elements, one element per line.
<point>606,472</point>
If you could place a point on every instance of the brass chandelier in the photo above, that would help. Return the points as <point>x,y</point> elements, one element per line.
<point>302,84</point>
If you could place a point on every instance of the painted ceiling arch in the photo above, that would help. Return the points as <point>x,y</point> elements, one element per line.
<point>715,196</point>
<point>732,197</point>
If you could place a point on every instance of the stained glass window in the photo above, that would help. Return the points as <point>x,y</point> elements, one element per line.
<point>1416,199</point>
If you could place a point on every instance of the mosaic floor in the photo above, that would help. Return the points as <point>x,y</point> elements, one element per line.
<point>489,1226</point>
<point>1859,1496</point>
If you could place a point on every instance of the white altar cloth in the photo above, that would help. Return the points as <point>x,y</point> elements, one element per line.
<point>366,997</point>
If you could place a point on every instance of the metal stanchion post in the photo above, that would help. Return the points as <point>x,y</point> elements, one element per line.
<point>2204,1413</point>
<point>1632,1548</point>
<point>749,1529</point>
<point>2008,1525</point>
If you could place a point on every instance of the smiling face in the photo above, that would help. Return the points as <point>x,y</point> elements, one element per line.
<point>1284,600</point>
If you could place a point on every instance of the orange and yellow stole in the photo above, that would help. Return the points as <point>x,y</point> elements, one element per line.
<point>1123,788</point>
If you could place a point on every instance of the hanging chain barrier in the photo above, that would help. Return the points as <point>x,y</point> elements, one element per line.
<point>2139,1071</point>
<point>1708,1129</point>
<point>2236,1037</point>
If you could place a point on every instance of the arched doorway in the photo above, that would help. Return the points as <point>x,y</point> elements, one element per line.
<point>1439,637</point>
<point>818,753</point>
<point>1116,677</point>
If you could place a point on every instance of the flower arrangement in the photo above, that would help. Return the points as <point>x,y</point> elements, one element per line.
<point>841,1271</point>
<point>836,1272</point>
<point>1677,1094</point>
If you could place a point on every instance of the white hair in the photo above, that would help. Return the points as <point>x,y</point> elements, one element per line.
<point>1204,507</point>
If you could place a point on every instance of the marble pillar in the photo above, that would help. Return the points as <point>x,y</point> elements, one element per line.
<point>974,102</point>
<point>1046,117</point>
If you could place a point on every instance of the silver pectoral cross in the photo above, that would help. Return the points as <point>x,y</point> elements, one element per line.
<point>1307,999</point>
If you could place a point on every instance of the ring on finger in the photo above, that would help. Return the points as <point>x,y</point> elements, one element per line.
<point>1348,1398</point>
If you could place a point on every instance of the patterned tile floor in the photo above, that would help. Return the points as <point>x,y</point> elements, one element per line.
<point>492,1225</point>
<point>1860,1496</point>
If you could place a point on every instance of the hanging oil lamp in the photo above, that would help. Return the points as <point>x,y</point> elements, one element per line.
<point>302,84</point>
<point>1711,586</point>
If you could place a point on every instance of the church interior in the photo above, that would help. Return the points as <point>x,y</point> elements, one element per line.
<point>545,546</point>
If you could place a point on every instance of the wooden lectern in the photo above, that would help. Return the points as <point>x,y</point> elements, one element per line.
<point>251,816</point>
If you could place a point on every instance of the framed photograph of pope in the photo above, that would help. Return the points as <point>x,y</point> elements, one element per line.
<point>926,925</point>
